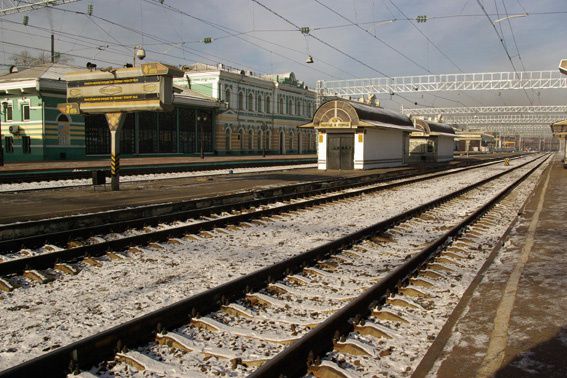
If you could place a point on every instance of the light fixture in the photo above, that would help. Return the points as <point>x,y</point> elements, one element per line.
<point>511,16</point>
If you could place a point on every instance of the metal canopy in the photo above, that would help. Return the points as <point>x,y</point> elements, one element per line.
<point>444,82</point>
<point>545,109</point>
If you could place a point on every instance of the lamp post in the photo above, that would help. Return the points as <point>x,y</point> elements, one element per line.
<point>139,53</point>
<point>201,118</point>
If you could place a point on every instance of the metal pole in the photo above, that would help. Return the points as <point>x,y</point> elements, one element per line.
<point>200,120</point>
<point>264,142</point>
<point>115,121</point>
<point>52,48</point>
<point>1,147</point>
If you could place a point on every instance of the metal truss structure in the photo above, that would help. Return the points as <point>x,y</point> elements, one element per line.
<point>444,82</point>
<point>529,109</point>
<point>17,6</point>
<point>503,119</point>
<point>531,131</point>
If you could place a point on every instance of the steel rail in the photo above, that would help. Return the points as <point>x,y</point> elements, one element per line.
<point>179,211</point>
<point>48,260</point>
<point>320,340</point>
<point>87,352</point>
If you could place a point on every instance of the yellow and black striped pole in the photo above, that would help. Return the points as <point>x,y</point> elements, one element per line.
<point>115,121</point>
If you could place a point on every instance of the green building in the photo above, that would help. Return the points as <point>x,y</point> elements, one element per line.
<point>33,129</point>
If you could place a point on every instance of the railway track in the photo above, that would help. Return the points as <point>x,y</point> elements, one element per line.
<point>57,250</point>
<point>287,303</point>
<point>22,234</point>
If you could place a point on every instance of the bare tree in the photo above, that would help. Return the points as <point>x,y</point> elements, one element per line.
<point>26,59</point>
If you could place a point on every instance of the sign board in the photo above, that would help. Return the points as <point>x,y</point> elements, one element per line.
<point>71,108</point>
<point>563,66</point>
<point>336,123</point>
<point>148,87</point>
<point>559,129</point>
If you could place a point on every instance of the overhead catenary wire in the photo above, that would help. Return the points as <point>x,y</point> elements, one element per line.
<point>237,34</point>
<point>501,38</point>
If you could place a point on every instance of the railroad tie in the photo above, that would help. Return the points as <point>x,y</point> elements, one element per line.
<point>37,276</point>
<point>354,347</point>
<point>328,369</point>
<point>388,316</point>
<point>115,256</point>
<point>66,268</point>
<point>6,285</point>
<point>92,261</point>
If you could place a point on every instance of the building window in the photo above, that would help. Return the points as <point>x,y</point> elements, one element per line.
<point>289,106</point>
<point>259,104</point>
<point>250,102</point>
<point>280,106</point>
<point>298,108</point>
<point>241,139</point>
<point>25,112</point>
<point>63,130</point>
<point>260,141</point>
<point>240,101</point>
<point>250,140</point>
<point>8,111</point>
<point>227,97</point>
<point>227,139</point>
<point>268,105</point>
<point>310,113</point>
<point>26,145</point>
<point>9,142</point>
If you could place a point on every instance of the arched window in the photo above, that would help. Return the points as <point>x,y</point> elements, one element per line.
<point>310,113</point>
<point>260,141</point>
<point>282,142</point>
<point>250,102</point>
<point>241,139</point>
<point>250,140</point>
<point>227,140</point>
<point>289,106</point>
<point>298,107</point>
<point>227,98</point>
<point>259,104</point>
<point>240,101</point>
<point>280,106</point>
<point>64,130</point>
<point>268,105</point>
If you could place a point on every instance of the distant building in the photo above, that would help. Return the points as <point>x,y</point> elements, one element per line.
<point>474,141</point>
<point>354,135</point>
<point>262,113</point>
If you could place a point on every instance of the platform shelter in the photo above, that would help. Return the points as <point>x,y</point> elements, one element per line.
<point>434,142</point>
<point>353,135</point>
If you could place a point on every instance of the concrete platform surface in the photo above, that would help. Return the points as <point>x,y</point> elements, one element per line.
<point>48,203</point>
<point>515,324</point>
<point>137,161</point>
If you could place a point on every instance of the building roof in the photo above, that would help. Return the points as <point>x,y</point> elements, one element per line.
<point>48,71</point>
<point>341,113</point>
<point>190,97</point>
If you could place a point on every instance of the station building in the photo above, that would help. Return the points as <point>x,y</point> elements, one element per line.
<point>354,135</point>
<point>241,116</point>
<point>474,141</point>
<point>263,111</point>
<point>434,142</point>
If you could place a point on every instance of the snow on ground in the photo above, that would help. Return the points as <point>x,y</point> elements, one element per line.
<point>400,355</point>
<point>40,318</point>
<point>311,303</point>
<point>149,177</point>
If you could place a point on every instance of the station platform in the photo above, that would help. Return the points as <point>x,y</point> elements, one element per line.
<point>145,161</point>
<point>48,203</point>
<point>515,324</point>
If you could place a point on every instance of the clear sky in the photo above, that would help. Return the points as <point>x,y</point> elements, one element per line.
<point>457,37</point>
